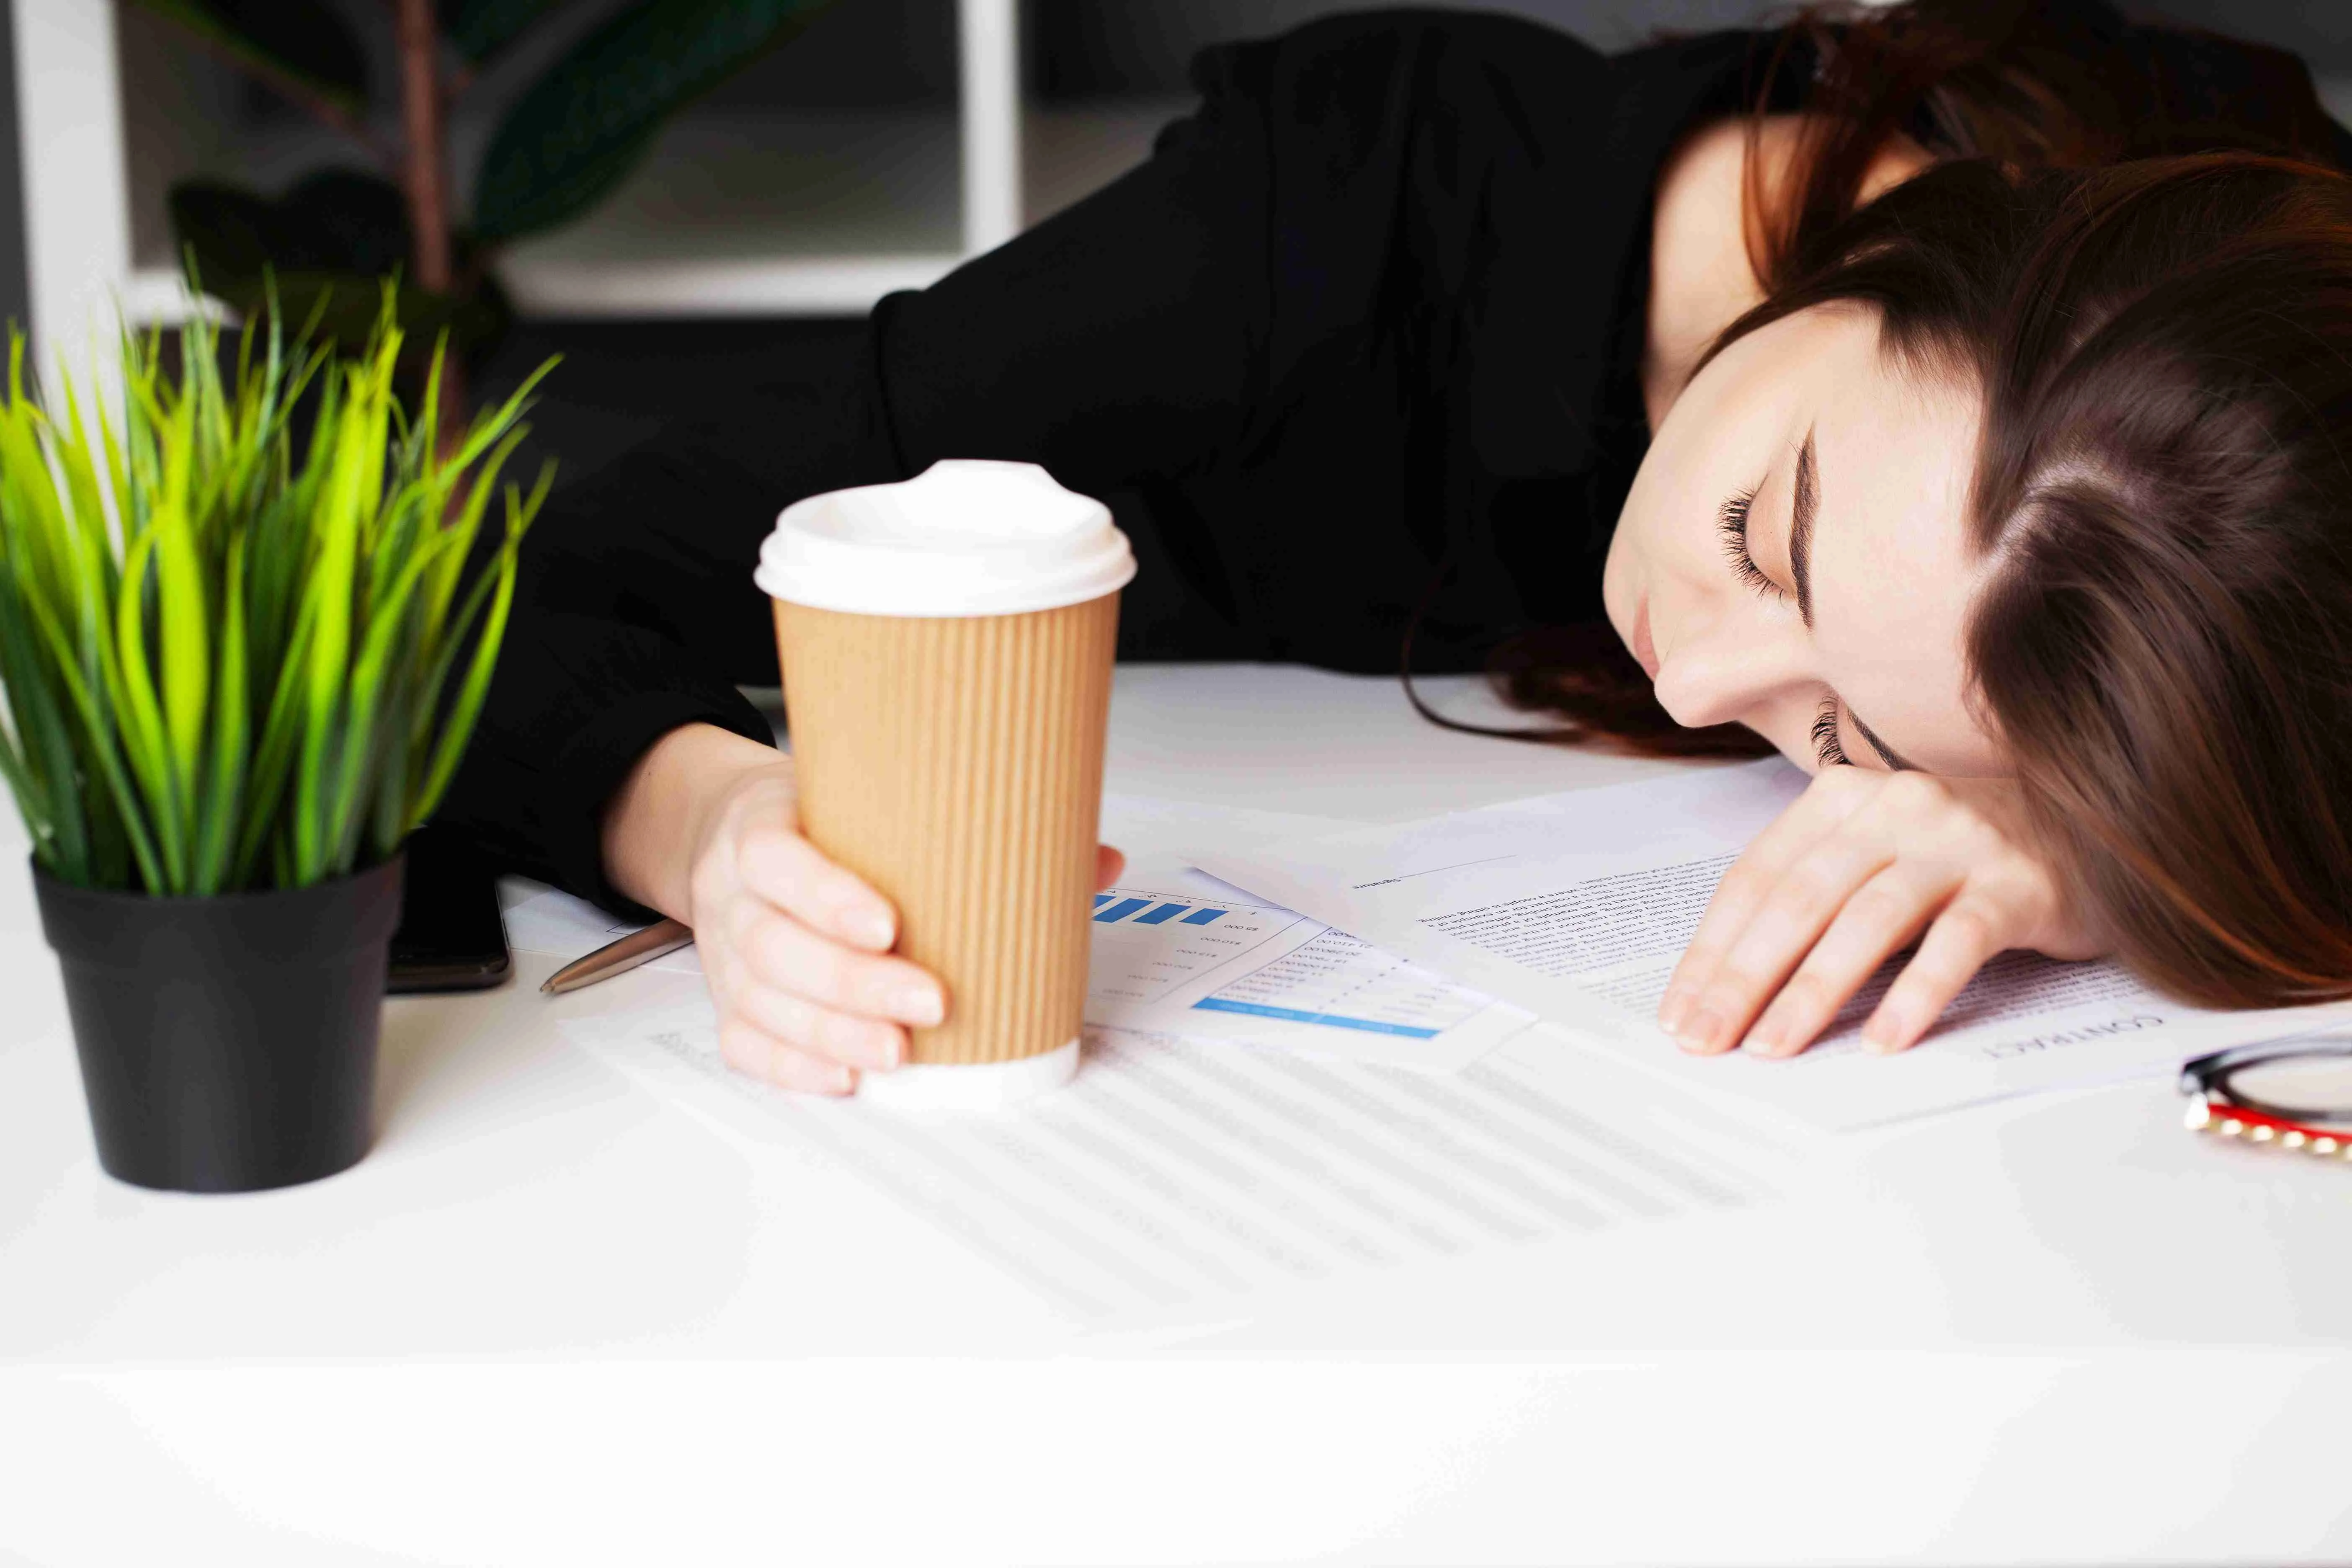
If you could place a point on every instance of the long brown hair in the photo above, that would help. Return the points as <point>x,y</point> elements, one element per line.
<point>2165,481</point>
<point>2030,84</point>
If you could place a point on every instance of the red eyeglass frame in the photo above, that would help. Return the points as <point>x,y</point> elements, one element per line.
<point>2217,1108</point>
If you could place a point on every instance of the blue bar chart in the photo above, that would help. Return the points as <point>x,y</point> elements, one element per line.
<point>1111,907</point>
<point>1338,982</point>
<point>1206,966</point>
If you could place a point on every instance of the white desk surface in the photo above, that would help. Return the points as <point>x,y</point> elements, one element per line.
<point>554,1319</point>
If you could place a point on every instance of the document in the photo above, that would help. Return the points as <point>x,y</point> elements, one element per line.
<point>1576,906</point>
<point>1171,1172</point>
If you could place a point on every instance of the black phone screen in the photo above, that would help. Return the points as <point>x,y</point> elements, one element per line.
<point>451,936</point>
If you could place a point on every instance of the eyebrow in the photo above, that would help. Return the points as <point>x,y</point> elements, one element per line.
<point>1887,753</point>
<point>1802,509</point>
<point>1804,506</point>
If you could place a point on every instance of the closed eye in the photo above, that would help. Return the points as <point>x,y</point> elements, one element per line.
<point>1731,523</point>
<point>1827,747</point>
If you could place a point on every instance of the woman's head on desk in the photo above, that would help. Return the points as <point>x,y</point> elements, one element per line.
<point>2041,473</point>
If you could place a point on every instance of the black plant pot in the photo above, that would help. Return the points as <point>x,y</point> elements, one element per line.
<point>228,1044</point>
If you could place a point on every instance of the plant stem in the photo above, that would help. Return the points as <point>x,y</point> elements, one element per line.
<point>425,176</point>
<point>425,162</point>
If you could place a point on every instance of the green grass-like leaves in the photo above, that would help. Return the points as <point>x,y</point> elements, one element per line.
<point>226,664</point>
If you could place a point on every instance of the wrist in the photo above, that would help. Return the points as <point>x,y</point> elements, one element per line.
<point>672,801</point>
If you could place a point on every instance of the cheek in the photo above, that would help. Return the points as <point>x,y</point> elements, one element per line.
<point>1624,559</point>
<point>1625,571</point>
<point>1646,543</point>
<point>1701,457</point>
<point>1788,725</point>
<point>1666,552</point>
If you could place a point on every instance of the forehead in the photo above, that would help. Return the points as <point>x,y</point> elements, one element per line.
<point>1893,574</point>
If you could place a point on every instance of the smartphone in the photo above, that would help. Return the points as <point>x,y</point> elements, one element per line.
<point>451,935</point>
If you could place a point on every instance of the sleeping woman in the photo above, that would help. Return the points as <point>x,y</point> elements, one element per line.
<point>1955,397</point>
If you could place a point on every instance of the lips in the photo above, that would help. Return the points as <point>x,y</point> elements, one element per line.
<point>1645,652</point>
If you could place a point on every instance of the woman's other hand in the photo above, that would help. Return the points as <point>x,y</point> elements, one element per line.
<point>795,949</point>
<point>1860,866</point>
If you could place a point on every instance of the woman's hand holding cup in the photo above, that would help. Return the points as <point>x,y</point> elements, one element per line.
<point>796,950</point>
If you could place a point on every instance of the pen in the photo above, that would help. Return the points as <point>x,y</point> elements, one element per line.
<point>620,957</point>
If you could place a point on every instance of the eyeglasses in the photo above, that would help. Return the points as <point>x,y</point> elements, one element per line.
<point>2293,1094</point>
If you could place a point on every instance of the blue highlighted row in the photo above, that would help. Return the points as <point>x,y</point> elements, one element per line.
<point>1336,1020</point>
<point>1125,906</point>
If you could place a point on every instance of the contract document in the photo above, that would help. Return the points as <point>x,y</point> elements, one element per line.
<point>1576,906</point>
<point>1171,1173</point>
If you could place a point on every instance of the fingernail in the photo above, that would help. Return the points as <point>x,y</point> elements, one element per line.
<point>845,1081</point>
<point>1880,1035</point>
<point>919,1006</point>
<point>885,1058</point>
<point>1672,1011</point>
<point>1767,1037</point>
<point>868,927</point>
<point>1701,1032</point>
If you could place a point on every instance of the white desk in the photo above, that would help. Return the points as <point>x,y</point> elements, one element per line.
<point>554,1319</point>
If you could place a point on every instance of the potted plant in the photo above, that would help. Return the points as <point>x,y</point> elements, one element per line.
<point>579,94</point>
<point>244,635</point>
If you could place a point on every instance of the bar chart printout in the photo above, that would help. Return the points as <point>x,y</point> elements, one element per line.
<point>1221,968</point>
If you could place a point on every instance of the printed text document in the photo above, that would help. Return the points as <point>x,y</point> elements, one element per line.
<point>1576,906</point>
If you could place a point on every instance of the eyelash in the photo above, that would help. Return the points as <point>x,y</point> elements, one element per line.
<point>1731,522</point>
<point>1827,747</point>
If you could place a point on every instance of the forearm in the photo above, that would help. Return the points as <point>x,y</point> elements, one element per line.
<point>659,816</point>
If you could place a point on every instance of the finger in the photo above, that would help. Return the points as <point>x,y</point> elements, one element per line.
<point>826,1033</point>
<point>756,1054</point>
<point>1108,864</point>
<point>781,953</point>
<point>1884,915</point>
<point>1970,929</point>
<point>1812,816</point>
<point>1786,924</point>
<point>796,877</point>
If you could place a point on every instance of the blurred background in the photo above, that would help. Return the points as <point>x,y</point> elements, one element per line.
<point>755,201</point>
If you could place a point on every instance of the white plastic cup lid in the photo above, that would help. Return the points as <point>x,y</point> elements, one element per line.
<point>961,537</point>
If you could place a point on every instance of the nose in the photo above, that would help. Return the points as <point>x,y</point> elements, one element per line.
<point>1729,668</point>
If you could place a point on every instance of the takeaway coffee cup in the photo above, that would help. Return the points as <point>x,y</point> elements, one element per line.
<point>946,648</point>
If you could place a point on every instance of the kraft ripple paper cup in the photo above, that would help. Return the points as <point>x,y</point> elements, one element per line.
<point>947,648</point>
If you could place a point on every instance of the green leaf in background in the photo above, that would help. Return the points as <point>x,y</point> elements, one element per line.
<point>479,29</point>
<point>577,131</point>
<point>326,246</point>
<point>303,40</point>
